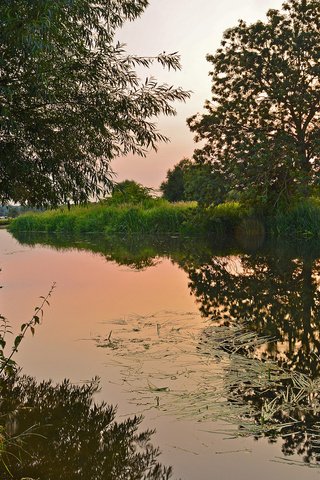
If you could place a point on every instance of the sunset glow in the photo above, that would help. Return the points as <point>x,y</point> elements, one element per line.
<point>194,29</point>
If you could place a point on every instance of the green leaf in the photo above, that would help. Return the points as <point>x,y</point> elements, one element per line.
<point>17,341</point>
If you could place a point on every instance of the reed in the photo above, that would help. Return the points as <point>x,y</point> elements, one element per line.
<point>148,217</point>
<point>158,216</point>
<point>302,220</point>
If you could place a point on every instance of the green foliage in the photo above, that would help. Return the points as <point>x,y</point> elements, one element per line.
<point>302,219</point>
<point>223,218</point>
<point>8,365</point>
<point>153,216</point>
<point>262,125</point>
<point>131,192</point>
<point>156,216</point>
<point>173,188</point>
<point>71,100</point>
<point>194,180</point>
<point>4,221</point>
<point>203,185</point>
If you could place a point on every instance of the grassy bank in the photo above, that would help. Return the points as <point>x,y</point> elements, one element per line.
<point>5,221</point>
<point>116,219</point>
<point>157,216</point>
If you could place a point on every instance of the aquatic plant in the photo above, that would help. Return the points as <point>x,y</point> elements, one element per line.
<point>302,219</point>
<point>8,365</point>
<point>217,374</point>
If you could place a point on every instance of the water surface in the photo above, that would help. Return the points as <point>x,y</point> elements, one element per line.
<point>138,314</point>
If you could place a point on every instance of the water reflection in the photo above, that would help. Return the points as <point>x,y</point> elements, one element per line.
<point>265,399</point>
<point>275,289</point>
<point>269,292</point>
<point>70,437</point>
<point>278,296</point>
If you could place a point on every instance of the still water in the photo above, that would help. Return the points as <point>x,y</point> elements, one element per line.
<point>170,326</point>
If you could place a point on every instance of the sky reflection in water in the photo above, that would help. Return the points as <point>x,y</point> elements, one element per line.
<point>137,305</point>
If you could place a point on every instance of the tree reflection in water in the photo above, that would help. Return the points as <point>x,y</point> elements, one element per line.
<point>278,296</point>
<point>72,437</point>
<point>272,292</point>
<point>275,294</point>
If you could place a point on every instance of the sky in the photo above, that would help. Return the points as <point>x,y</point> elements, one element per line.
<point>194,28</point>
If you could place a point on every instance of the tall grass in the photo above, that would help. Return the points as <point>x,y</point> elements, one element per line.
<point>153,216</point>
<point>159,217</point>
<point>302,220</point>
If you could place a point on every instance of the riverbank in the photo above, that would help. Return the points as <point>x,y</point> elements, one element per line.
<point>184,218</point>
<point>155,217</point>
<point>4,222</point>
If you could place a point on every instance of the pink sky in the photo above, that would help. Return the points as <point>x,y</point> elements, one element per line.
<point>193,28</point>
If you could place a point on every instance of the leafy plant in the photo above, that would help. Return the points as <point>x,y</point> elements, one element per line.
<point>71,99</point>
<point>7,364</point>
<point>130,191</point>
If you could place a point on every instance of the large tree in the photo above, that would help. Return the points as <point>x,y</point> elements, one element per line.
<point>194,180</point>
<point>173,187</point>
<point>70,98</point>
<point>262,126</point>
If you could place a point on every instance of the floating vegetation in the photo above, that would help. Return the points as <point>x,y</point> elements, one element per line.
<point>217,374</point>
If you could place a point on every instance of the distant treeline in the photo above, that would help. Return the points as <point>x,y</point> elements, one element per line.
<point>12,211</point>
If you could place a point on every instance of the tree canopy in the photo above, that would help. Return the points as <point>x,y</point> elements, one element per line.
<point>173,187</point>
<point>71,99</point>
<point>262,126</point>
<point>194,180</point>
<point>130,191</point>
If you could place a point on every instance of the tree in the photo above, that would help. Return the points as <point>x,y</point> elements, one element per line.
<point>130,191</point>
<point>204,184</point>
<point>194,180</point>
<point>262,125</point>
<point>173,188</point>
<point>70,98</point>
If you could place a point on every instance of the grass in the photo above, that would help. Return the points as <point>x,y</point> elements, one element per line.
<point>5,221</point>
<point>302,220</point>
<point>156,216</point>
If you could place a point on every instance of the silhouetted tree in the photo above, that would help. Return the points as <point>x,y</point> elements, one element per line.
<point>173,188</point>
<point>71,100</point>
<point>262,126</point>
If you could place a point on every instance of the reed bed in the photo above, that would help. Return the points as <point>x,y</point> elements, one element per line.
<point>158,216</point>
<point>101,217</point>
<point>155,216</point>
<point>300,220</point>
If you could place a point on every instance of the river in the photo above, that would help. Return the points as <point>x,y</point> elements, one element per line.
<point>139,316</point>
